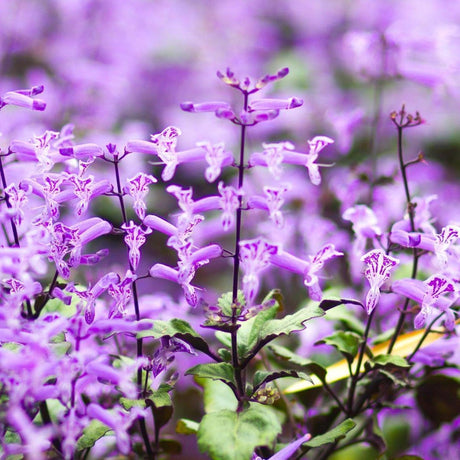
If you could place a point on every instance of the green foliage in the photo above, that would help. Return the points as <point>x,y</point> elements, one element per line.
<point>263,377</point>
<point>94,431</point>
<point>334,435</point>
<point>214,371</point>
<point>179,329</point>
<point>265,330</point>
<point>186,426</point>
<point>230,435</point>
<point>346,342</point>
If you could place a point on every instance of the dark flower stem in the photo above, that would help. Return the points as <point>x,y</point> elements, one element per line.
<point>424,336</point>
<point>400,125</point>
<point>13,225</point>
<point>355,376</point>
<point>236,265</point>
<point>139,350</point>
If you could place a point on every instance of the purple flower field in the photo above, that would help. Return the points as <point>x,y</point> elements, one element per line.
<point>229,229</point>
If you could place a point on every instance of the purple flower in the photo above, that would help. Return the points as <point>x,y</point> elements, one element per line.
<point>229,203</point>
<point>216,158</point>
<point>118,420</point>
<point>444,240</point>
<point>135,238</point>
<point>307,268</point>
<point>171,274</point>
<point>431,294</point>
<point>17,199</point>
<point>378,269</point>
<point>271,203</point>
<point>82,152</point>
<point>137,188</point>
<point>255,257</point>
<point>275,104</point>
<point>24,98</point>
<point>365,225</point>
<point>275,154</point>
<point>85,189</point>
<point>121,292</point>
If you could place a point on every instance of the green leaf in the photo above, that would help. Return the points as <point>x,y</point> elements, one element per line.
<point>263,377</point>
<point>217,395</point>
<point>345,342</point>
<point>177,328</point>
<point>92,432</point>
<point>269,329</point>
<point>225,302</point>
<point>161,414</point>
<point>393,360</point>
<point>170,446</point>
<point>347,317</point>
<point>438,398</point>
<point>186,426</point>
<point>128,404</point>
<point>327,304</point>
<point>214,371</point>
<point>336,434</point>
<point>229,435</point>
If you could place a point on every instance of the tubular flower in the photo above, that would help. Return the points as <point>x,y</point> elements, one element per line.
<point>275,154</point>
<point>307,268</point>
<point>255,256</point>
<point>135,238</point>
<point>378,269</point>
<point>137,188</point>
<point>436,293</point>
<point>24,98</point>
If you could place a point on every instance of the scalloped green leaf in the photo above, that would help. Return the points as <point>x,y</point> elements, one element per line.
<point>269,329</point>
<point>186,426</point>
<point>346,342</point>
<point>214,371</point>
<point>92,432</point>
<point>263,377</point>
<point>385,360</point>
<point>229,435</point>
<point>336,434</point>
<point>179,329</point>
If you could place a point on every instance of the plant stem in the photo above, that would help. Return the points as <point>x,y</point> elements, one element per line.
<point>355,376</point>
<point>139,345</point>
<point>236,265</point>
<point>411,213</point>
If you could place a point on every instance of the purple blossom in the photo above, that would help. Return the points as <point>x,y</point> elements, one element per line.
<point>86,189</point>
<point>216,158</point>
<point>121,292</point>
<point>275,154</point>
<point>17,199</point>
<point>378,269</point>
<point>436,293</point>
<point>24,98</point>
<point>82,152</point>
<point>229,203</point>
<point>271,202</point>
<point>135,238</point>
<point>137,188</point>
<point>118,420</point>
<point>365,225</point>
<point>444,240</point>
<point>171,274</point>
<point>255,257</point>
<point>307,268</point>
